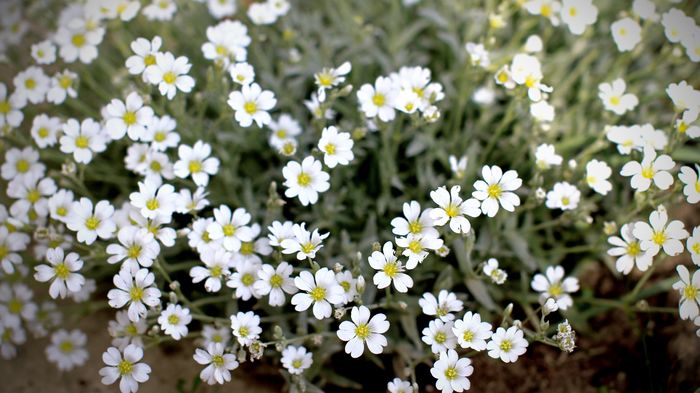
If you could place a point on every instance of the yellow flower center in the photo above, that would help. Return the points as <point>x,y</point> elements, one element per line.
<point>169,77</point>
<point>296,363</point>
<point>415,246</point>
<point>149,60</point>
<point>159,136</point>
<point>622,32</point>
<point>451,373</point>
<point>440,338</point>
<point>441,311</point>
<point>378,99</point>
<point>30,83</point>
<point>690,292</point>
<point>61,271</point>
<point>82,142</point>
<point>66,346</point>
<point>276,281</point>
<point>502,77</point>
<point>415,227</point>
<point>33,196</point>
<point>565,201</point>
<point>125,367</point>
<point>221,50</point>
<point>696,248</point>
<point>134,251</point>
<point>43,132</point>
<point>243,331</point>
<point>5,107</point>
<point>173,319</point>
<point>129,118</point>
<point>247,248</point>
<point>15,306</point>
<point>659,237</point>
<point>531,81</point>
<point>65,82</point>
<point>62,211</point>
<point>307,248</point>
<point>494,191</point>
<point>506,345</point>
<point>682,127</point>
<point>217,360</point>
<point>330,149</point>
<point>215,271</point>
<point>345,285</point>
<point>318,294</point>
<point>452,210</point>
<point>195,166</point>
<point>136,294</point>
<point>281,134</point>
<point>556,290</point>
<point>247,279</point>
<point>78,40</point>
<point>648,172</point>
<point>92,223</point>
<point>615,100</point>
<point>325,79</point>
<point>22,166</point>
<point>633,249</point>
<point>229,230</point>
<point>304,179</point>
<point>250,107</point>
<point>390,269</point>
<point>155,166</point>
<point>362,331</point>
<point>546,10</point>
<point>152,204</point>
<point>573,11</point>
<point>468,335</point>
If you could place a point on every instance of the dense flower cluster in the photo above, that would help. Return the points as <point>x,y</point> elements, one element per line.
<point>162,185</point>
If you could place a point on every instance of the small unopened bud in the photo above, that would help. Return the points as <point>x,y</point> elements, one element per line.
<point>277,332</point>
<point>339,313</point>
<point>508,310</point>
<point>183,232</point>
<point>317,339</point>
<point>175,285</point>
<point>337,267</point>
<point>609,227</point>
<point>402,305</point>
<point>443,251</point>
<point>172,297</point>
<point>376,247</point>
<point>540,194</point>
<point>360,284</point>
<point>68,168</point>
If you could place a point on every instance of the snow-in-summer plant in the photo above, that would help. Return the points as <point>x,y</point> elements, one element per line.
<point>414,183</point>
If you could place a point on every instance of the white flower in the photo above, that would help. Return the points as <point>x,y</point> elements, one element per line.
<point>144,54</point>
<point>597,175</point>
<point>498,276</point>
<point>154,199</point>
<point>31,85</point>
<point>478,55</point>
<point>252,104</point>
<point>62,86</point>
<point>553,285</point>
<point>137,247</point>
<point>129,117</point>
<point>188,202</point>
<point>173,321</point>
<point>629,251</point>
<point>284,129</point>
<point>415,247</point>
<point>218,363</point>
<point>243,279</point>
<point>22,163</point>
<point>242,73</point>
<point>231,227</point>
<point>363,330</point>
<point>305,180</point>
<point>683,95</point>
<point>217,263</point>
<point>296,359</point>
<point>451,372</point>
<point>677,25</point>
<point>645,9</point>
<point>75,42</point>
<point>378,100</point>
<point>389,269</point>
<point>321,289</point>
<point>67,349</point>
<point>280,231</point>
<point>136,290</point>
<point>161,10</point>
<point>262,13</point>
<point>397,385</point>
<point>685,125</point>
<point>693,246</point>
<point>652,168</point>
<point>195,161</point>
<point>246,327</point>
<point>328,78</point>
<point>442,306</point>
<point>336,147</point>
<point>543,112</point>
<point>507,344</point>
<point>127,368</point>
<point>221,8</point>
<point>626,33</point>
<point>11,243</point>
<point>125,332</point>
<point>689,290</point>
<point>471,332</point>
<point>563,196</point>
<point>214,335</point>
<point>659,233</point>
<point>63,272</point>
<point>16,304</point>
<point>439,336</point>
<point>45,130</point>
<point>497,188</point>
<point>614,98</point>
<point>546,156</point>
<point>170,74</point>
<point>416,222</point>
<point>691,183</point>
<point>578,14</point>
<point>275,282</point>
<point>44,52</point>
<point>453,209</point>
<point>82,139</point>
<point>89,223</point>
<point>10,108</point>
<point>349,284</point>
